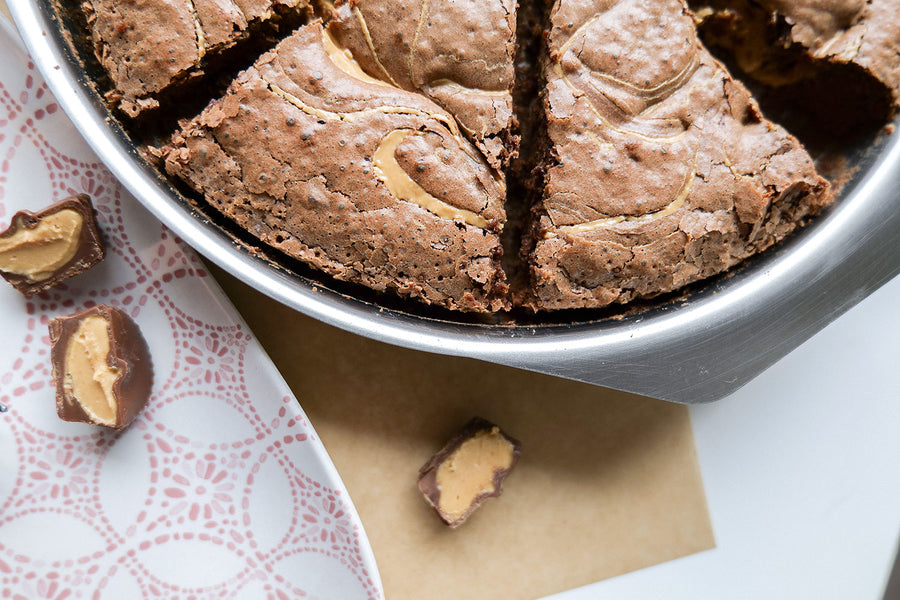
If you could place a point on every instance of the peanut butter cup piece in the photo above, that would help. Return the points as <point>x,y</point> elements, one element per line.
<point>39,250</point>
<point>661,170</point>
<point>101,367</point>
<point>468,470</point>
<point>354,176</point>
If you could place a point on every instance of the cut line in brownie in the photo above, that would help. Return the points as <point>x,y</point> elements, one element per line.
<point>148,46</point>
<point>523,178</point>
<point>370,183</point>
<point>662,170</point>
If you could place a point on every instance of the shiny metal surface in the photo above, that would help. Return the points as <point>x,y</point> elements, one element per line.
<point>688,351</point>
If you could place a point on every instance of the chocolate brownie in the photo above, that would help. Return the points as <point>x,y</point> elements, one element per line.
<point>459,53</point>
<point>146,46</point>
<point>862,33</point>
<point>661,170</point>
<point>368,182</point>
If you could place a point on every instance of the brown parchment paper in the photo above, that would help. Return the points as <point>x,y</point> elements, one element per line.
<point>608,482</point>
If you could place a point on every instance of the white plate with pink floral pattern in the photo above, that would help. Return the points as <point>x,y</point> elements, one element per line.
<point>220,488</point>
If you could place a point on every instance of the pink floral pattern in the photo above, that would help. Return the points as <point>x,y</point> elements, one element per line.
<point>220,489</point>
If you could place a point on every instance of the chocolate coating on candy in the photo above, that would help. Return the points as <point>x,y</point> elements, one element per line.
<point>459,53</point>
<point>101,367</point>
<point>468,470</point>
<point>149,45</point>
<point>371,183</point>
<point>39,250</point>
<point>663,171</point>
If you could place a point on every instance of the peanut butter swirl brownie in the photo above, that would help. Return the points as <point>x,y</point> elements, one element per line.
<point>459,53</point>
<point>374,144</point>
<point>146,46</point>
<point>366,181</point>
<point>661,169</point>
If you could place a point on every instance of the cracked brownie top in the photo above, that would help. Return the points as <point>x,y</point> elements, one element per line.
<point>369,182</point>
<point>661,169</point>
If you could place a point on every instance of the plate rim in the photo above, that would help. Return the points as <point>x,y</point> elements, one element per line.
<point>323,460</point>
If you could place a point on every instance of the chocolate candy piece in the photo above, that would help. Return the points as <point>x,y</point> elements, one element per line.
<point>468,470</point>
<point>101,367</point>
<point>39,250</point>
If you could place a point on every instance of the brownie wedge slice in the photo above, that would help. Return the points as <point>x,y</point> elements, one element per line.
<point>370,183</point>
<point>765,36</point>
<point>459,53</point>
<point>661,171</point>
<point>147,46</point>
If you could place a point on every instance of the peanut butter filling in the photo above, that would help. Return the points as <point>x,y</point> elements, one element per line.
<point>469,472</point>
<point>671,208</point>
<point>39,252</point>
<point>89,379</point>
<point>344,61</point>
<point>330,115</point>
<point>198,29</point>
<point>403,187</point>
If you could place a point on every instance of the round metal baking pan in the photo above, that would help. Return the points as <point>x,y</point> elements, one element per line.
<point>695,348</point>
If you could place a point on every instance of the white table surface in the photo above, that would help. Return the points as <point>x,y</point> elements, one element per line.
<point>802,474</point>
